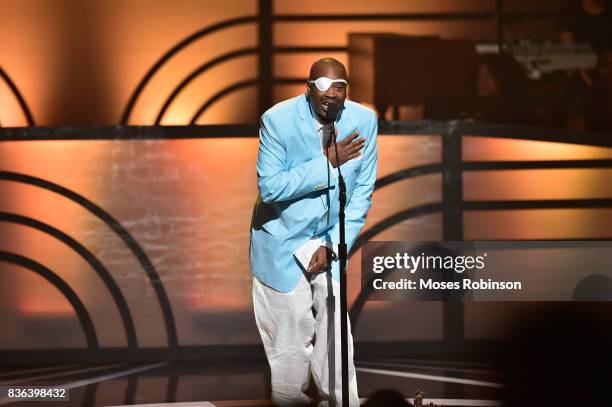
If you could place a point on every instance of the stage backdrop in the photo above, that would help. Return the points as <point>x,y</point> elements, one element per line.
<point>68,62</point>
<point>109,218</point>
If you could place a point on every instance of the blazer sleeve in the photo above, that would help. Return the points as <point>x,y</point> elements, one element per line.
<point>358,205</point>
<point>276,180</point>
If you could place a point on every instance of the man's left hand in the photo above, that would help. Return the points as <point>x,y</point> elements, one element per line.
<point>321,259</point>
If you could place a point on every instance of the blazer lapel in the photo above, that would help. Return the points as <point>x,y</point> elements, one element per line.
<point>306,128</point>
<point>311,139</point>
<point>344,125</point>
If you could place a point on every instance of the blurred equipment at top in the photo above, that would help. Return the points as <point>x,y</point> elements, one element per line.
<point>588,22</point>
<point>546,57</point>
<point>393,70</point>
<point>589,108</point>
<point>496,91</point>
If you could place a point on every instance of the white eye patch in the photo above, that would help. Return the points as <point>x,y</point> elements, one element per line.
<point>324,83</point>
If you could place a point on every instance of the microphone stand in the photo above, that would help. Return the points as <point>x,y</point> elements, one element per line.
<point>342,256</point>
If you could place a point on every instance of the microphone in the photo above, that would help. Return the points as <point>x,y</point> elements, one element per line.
<point>332,112</point>
<point>329,128</point>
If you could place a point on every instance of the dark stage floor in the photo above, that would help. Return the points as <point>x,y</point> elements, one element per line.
<point>224,385</point>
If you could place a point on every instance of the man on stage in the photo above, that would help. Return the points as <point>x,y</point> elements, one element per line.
<point>295,232</point>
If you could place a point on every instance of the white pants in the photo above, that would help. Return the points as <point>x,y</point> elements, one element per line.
<point>299,345</point>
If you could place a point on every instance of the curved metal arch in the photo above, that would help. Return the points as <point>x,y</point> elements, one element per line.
<point>291,81</point>
<point>394,219</point>
<point>235,87</point>
<point>484,165</point>
<point>219,95</point>
<point>20,99</point>
<point>197,72</point>
<point>405,214</point>
<point>125,236</point>
<point>113,288</point>
<point>79,308</point>
<point>360,301</point>
<point>469,205</point>
<point>472,205</point>
<point>407,173</point>
<point>125,117</point>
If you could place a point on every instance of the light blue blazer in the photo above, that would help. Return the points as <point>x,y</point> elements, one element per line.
<point>298,191</point>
